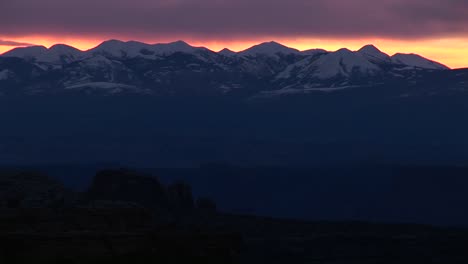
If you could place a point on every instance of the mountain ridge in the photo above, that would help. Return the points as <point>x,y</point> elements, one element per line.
<point>177,68</point>
<point>272,45</point>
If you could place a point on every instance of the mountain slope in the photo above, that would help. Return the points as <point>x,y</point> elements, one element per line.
<point>342,62</point>
<point>417,61</point>
<point>26,52</point>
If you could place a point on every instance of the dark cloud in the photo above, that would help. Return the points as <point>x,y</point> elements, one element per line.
<point>233,18</point>
<point>13,43</point>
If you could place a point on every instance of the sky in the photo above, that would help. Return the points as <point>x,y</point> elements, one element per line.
<point>437,29</point>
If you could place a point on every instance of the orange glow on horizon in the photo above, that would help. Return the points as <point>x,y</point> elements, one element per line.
<point>450,51</point>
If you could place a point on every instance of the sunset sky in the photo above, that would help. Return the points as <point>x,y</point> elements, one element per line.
<point>437,29</point>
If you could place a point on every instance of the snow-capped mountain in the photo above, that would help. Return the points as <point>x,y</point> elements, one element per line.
<point>116,67</point>
<point>132,49</point>
<point>373,54</point>
<point>342,62</point>
<point>26,52</point>
<point>417,61</point>
<point>227,52</point>
<point>268,48</point>
<point>331,69</point>
<point>178,46</point>
<point>119,49</point>
<point>56,54</point>
<point>59,54</point>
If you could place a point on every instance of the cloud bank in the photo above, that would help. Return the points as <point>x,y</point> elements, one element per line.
<point>13,43</point>
<point>406,19</point>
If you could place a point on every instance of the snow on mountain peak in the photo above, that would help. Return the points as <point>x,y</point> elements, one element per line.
<point>269,48</point>
<point>342,62</point>
<point>417,61</point>
<point>373,54</point>
<point>117,48</point>
<point>371,49</point>
<point>179,44</point>
<point>343,51</point>
<point>26,52</point>
<point>131,49</point>
<point>173,47</point>
<point>63,48</point>
<point>60,53</point>
<point>227,52</point>
<point>56,54</point>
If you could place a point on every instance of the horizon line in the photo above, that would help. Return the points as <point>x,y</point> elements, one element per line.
<point>218,51</point>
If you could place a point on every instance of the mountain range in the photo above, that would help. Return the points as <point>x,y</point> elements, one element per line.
<point>264,70</point>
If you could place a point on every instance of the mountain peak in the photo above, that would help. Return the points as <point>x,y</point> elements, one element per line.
<point>118,48</point>
<point>372,53</point>
<point>180,42</point>
<point>269,48</point>
<point>343,51</point>
<point>173,47</point>
<point>63,48</point>
<point>56,54</point>
<point>26,52</point>
<point>177,44</point>
<point>272,42</point>
<point>342,62</point>
<point>227,52</point>
<point>113,41</point>
<point>369,48</point>
<point>59,53</point>
<point>110,43</point>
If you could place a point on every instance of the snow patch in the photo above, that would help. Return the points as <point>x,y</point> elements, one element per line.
<point>5,75</point>
<point>417,61</point>
<point>342,63</point>
<point>305,90</point>
<point>298,66</point>
<point>101,85</point>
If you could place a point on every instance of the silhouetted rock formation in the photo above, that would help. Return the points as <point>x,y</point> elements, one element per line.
<point>180,197</point>
<point>32,190</point>
<point>206,205</point>
<point>118,220</point>
<point>128,187</point>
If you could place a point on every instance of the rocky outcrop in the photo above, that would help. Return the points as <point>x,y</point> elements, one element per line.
<point>124,186</point>
<point>128,189</point>
<point>206,205</point>
<point>180,197</point>
<point>118,220</point>
<point>32,190</point>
